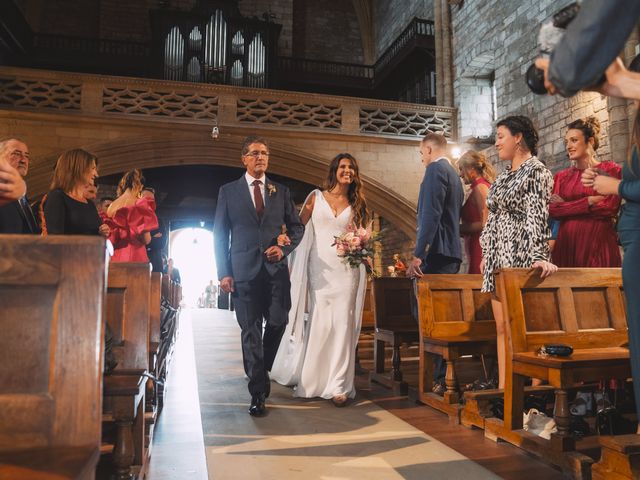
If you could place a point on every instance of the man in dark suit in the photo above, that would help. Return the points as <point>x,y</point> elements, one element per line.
<point>17,216</point>
<point>438,248</point>
<point>251,265</point>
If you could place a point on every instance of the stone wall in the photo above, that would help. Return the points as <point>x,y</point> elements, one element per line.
<point>391,18</point>
<point>281,12</point>
<point>327,30</point>
<point>494,42</point>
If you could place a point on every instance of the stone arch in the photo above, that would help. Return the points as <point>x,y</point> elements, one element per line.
<point>151,152</point>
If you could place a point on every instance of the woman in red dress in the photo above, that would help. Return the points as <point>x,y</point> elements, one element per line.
<point>587,236</point>
<point>479,174</point>
<point>131,217</point>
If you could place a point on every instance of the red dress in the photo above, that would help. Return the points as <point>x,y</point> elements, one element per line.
<point>587,236</point>
<point>127,226</point>
<point>469,214</point>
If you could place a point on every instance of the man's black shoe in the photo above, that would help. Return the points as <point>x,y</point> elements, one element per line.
<point>257,408</point>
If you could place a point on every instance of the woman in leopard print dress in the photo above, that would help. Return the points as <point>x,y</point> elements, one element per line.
<point>516,234</point>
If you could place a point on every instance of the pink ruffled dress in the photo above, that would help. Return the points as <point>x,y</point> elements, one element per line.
<point>127,226</point>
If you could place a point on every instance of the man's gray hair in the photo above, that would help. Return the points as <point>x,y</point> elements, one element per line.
<point>4,141</point>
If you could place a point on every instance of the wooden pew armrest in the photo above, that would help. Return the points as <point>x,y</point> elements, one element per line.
<point>596,357</point>
<point>123,385</point>
<point>461,339</point>
<point>46,463</point>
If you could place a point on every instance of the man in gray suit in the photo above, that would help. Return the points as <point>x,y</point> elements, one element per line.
<point>438,248</point>
<point>252,266</point>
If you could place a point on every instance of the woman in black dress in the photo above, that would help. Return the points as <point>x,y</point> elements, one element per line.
<point>66,210</point>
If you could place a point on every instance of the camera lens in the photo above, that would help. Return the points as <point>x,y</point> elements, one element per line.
<point>535,80</point>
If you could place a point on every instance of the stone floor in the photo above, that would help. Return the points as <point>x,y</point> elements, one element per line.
<point>375,437</point>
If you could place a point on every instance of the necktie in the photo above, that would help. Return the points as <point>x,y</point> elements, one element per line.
<point>257,195</point>
<point>28,214</point>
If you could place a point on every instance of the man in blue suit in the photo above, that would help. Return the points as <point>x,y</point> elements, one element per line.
<point>252,266</point>
<point>438,248</point>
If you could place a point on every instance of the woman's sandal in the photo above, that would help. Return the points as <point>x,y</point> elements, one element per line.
<point>339,400</point>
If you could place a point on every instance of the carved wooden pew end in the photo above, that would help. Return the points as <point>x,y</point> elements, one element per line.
<point>394,325</point>
<point>456,320</point>
<point>620,458</point>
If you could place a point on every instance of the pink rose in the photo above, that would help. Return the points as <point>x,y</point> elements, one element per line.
<point>340,250</point>
<point>355,242</point>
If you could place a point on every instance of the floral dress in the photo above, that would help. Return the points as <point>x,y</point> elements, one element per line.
<point>517,233</point>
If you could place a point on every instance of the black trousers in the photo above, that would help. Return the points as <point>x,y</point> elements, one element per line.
<point>264,298</point>
<point>436,263</point>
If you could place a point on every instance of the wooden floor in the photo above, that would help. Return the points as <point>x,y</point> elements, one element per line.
<point>179,446</point>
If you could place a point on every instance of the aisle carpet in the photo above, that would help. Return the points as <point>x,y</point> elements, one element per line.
<point>303,439</point>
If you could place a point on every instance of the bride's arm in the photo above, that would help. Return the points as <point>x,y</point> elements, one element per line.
<point>307,209</point>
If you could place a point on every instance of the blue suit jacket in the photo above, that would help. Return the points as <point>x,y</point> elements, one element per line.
<point>439,205</point>
<point>241,238</point>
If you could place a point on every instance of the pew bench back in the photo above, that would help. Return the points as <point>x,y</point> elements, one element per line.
<point>52,296</point>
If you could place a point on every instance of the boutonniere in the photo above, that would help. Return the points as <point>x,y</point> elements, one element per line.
<point>272,188</point>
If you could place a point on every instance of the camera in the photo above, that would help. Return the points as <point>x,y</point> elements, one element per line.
<point>550,34</point>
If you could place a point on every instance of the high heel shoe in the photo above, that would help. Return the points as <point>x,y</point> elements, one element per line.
<point>339,400</point>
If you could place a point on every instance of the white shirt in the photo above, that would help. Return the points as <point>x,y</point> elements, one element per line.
<point>250,180</point>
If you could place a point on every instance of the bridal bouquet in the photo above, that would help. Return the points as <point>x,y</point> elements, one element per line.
<point>355,246</point>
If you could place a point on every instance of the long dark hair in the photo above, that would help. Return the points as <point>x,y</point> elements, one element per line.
<point>361,215</point>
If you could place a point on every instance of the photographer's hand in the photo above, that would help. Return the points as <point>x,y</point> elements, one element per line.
<point>620,82</point>
<point>543,64</point>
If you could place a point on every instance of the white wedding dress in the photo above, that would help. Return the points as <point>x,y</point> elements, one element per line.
<point>317,352</point>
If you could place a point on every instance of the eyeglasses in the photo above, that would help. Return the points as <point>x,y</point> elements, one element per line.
<point>256,154</point>
<point>19,154</point>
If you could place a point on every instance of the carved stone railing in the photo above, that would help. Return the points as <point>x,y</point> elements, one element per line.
<point>124,97</point>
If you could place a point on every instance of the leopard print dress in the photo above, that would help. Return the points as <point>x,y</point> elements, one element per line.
<point>516,234</point>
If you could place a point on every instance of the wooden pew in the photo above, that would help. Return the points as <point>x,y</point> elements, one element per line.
<point>394,325</point>
<point>456,319</point>
<point>583,308</point>
<point>151,395</point>
<point>620,458</point>
<point>368,322</point>
<point>51,295</point>
<point>128,313</point>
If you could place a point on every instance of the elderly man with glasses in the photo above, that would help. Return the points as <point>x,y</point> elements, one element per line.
<point>252,266</point>
<point>16,216</point>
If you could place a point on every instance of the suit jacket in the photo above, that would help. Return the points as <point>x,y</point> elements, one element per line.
<point>241,238</point>
<point>12,219</point>
<point>439,205</point>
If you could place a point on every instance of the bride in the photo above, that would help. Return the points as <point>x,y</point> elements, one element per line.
<point>317,356</point>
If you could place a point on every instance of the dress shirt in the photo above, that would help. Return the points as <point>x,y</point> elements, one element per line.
<point>250,180</point>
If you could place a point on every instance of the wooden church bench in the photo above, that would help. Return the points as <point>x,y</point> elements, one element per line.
<point>52,292</point>
<point>583,308</point>
<point>395,325</point>
<point>128,315</point>
<point>620,458</point>
<point>455,320</point>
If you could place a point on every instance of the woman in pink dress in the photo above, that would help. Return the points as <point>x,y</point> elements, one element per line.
<point>131,217</point>
<point>587,236</point>
<point>479,174</point>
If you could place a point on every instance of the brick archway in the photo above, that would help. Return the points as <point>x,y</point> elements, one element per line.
<point>151,152</point>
